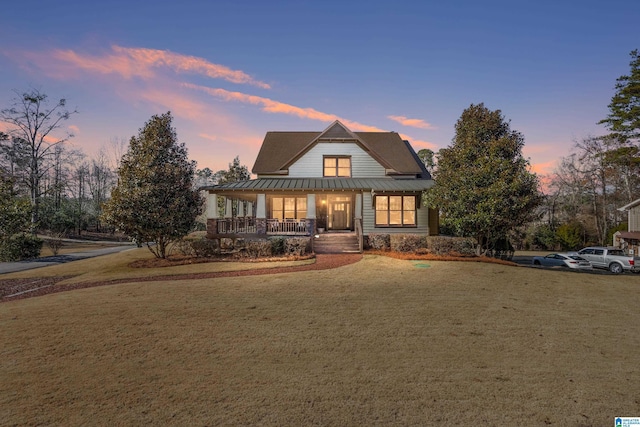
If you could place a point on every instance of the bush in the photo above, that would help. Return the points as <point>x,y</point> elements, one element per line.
<point>406,242</point>
<point>277,245</point>
<point>258,248</point>
<point>20,246</point>
<point>184,247</point>
<point>205,248</point>
<point>297,245</point>
<point>379,242</point>
<point>442,245</point>
<point>55,243</point>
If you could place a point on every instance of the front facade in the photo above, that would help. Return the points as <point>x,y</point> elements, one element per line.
<point>630,239</point>
<point>330,181</point>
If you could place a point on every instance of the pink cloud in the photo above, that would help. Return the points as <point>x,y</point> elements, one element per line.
<point>209,137</point>
<point>135,62</point>
<point>415,123</point>
<point>271,106</point>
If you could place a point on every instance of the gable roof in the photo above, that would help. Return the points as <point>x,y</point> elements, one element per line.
<point>630,205</point>
<point>281,149</point>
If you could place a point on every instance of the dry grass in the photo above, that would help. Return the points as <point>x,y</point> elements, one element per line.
<point>119,266</point>
<point>380,342</point>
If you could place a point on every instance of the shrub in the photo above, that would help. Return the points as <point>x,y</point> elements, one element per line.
<point>258,248</point>
<point>380,242</point>
<point>406,242</point>
<point>205,248</point>
<point>54,242</point>
<point>20,246</point>
<point>277,245</point>
<point>443,245</point>
<point>184,247</point>
<point>297,245</point>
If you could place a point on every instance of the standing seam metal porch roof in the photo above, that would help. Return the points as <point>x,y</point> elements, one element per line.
<point>323,184</point>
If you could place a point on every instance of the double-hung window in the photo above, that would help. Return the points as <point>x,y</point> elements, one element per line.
<point>288,208</point>
<point>337,166</point>
<point>395,211</point>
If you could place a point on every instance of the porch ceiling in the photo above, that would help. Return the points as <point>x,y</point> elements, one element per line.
<point>323,184</point>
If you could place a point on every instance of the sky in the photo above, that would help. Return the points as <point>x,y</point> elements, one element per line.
<point>230,71</point>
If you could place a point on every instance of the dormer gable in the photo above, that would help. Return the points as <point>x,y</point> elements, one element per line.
<point>281,150</point>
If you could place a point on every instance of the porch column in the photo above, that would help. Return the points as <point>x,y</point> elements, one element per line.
<point>310,221</point>
<point>358,208</point>
<point>212,214</point>
<point>212,206</point>
<point>240,209</point>
<point>261,214</point>
<point>249,208</point>
<point>311,206</point>
<point>228,208</point>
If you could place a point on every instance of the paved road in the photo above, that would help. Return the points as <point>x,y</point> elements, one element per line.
<point>10,267</point>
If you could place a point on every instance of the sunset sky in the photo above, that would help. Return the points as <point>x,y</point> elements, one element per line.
<point>229,71</point>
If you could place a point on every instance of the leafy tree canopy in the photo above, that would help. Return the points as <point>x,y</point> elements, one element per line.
<point>624,109</point>
<point>483,184</point>
<point>155,202</point>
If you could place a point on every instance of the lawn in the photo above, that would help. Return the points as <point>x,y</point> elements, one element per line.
<point>379,342</point>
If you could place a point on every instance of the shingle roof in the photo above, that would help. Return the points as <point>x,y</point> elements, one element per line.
<point>280,149</point>
<point>324,184</point>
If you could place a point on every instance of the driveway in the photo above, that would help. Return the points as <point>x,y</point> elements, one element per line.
<point>11,267</point>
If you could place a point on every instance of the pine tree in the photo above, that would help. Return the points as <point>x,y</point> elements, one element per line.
<point>624,110</point>
<point>155,202</point>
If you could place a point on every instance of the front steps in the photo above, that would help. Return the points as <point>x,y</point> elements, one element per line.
<point>336,243</point>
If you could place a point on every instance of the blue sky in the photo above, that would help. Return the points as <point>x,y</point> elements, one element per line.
<point>230,71</point>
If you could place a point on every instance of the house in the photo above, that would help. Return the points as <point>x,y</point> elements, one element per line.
<point>630,239</point>
<point>330,181</point>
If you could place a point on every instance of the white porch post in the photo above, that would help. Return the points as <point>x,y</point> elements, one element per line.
<point>358,209</point>
<point>311,206</point>
<point>240,209</point>
<point>212,206</point>
<point>261,208</point>
<point>249,208</point>
<point>228,208</point>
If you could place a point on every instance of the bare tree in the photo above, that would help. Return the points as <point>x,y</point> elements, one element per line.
<point>33,124</point>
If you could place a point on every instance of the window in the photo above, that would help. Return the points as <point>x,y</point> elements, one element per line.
<point>337,166</point>
<point>288,208</point>
<point>396,211</point>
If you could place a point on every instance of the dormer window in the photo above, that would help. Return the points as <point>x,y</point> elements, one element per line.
<point>337,167</point>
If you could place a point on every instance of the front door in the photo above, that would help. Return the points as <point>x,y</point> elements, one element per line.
<point>339,215</point>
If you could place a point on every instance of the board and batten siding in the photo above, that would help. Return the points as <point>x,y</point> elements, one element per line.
<point>634,218</point>
<point>310,164</point>
<point>369,220</point>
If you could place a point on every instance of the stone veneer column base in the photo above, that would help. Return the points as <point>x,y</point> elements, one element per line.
<point>212,227</point>
<point>261,225</point>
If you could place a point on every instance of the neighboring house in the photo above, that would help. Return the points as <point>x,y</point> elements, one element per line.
<point>630,239</point>
<point>332,181</point>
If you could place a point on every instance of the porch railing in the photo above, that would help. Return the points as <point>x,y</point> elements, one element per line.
<point>358,224</point>
<point>287,226</point>
<point>237,225</point>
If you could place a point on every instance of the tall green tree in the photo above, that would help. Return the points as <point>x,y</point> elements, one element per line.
<point>624,109</point>
<point>483,185</point>
<point>155,202</point>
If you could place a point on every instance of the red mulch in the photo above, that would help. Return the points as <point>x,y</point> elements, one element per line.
<point>43,286</point>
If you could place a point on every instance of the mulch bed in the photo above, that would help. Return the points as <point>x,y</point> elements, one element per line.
<point>13,289</point>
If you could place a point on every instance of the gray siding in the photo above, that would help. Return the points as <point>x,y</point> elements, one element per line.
<point>362,164</point>
<point>369,226</point>
<point>634,218</point>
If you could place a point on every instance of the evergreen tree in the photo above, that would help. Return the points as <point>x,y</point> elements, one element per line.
<point>155,202</point>
<point>624,110</point>
<point>483,186</point>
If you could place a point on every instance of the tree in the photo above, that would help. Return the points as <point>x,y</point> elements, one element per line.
<point>483,185</point>
<point>624,109</point>
<point>32,127</point>
<point>235,173</point>
<point>427,157</point>
<point>154,201</point>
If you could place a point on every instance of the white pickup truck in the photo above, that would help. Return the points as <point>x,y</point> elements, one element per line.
<point>613,259</point>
